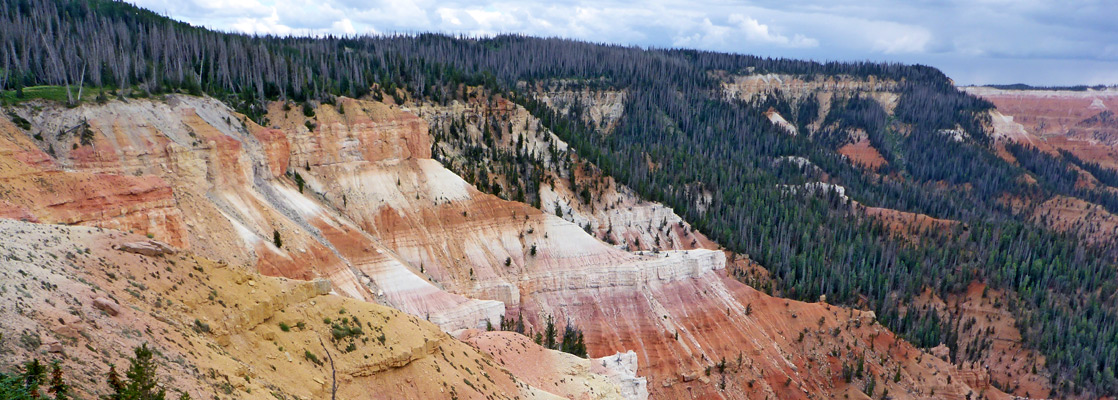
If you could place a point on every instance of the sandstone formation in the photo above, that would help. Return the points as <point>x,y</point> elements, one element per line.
<point>108,306</point>
<point>614,212</point>
<point>776,119</point>
<point>824,90</point>
<point>225,331</point>
<point>227,190</point>
<point>564,374</point>
<point>603,108</point>
<point>147,248</point>
<point>1081,122</point>
<point>352,195</point>
<point>863,153</point>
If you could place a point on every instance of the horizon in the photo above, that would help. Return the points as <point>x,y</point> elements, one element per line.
<point>986,42</point>
<point>559,200</point>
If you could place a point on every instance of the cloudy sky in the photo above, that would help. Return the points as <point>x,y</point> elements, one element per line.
<point>1039,42</point>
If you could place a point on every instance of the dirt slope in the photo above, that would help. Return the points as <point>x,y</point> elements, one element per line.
<point>221,330</point>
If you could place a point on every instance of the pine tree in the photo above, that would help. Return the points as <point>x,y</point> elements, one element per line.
<point>34,372</point>
<point>142,383</point>
<point>25,383</point>
<point>115,384</point>
<point>549,334</point>
<point>58,388</point>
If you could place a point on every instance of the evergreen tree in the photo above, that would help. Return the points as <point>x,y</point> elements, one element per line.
<point>142,382</point>
<point>58,387</point>
<point>549,334</point>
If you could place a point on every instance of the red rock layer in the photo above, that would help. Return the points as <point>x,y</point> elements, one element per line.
<point>862,153</point>
<point>386,223</point>
<point>539,265</point>
<point>36,190</point>
<point>1081,122</point>
<point>220,331</point>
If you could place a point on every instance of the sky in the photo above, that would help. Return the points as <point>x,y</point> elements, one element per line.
<point>1035,42</point>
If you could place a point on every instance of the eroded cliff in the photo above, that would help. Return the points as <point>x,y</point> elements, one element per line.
<point>82,296</point>
<point>350,192</point>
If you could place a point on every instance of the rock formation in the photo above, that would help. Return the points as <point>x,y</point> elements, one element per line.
<point>226,331</point>
<point>352,195</point>
<point>1080,122</point>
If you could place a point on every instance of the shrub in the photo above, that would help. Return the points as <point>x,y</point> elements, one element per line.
<point>20,121</point>
<point>201,327</point>
<point>343,330</point>
<point>310,356</point>
<point>29,340</point>
<point>299,182</point>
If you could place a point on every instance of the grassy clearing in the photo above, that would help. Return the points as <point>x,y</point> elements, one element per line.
<point>49,93</point>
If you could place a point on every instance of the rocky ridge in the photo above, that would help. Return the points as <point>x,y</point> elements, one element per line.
<point>352,195</point>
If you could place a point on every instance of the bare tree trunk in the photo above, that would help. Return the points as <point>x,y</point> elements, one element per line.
<point>4,77</point>
<point>200,66</point>
<point>58,68</point>
<point>333,372</point>
<point>81,84</point>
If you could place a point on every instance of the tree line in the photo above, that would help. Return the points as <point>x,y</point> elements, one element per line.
<point>716,161</point>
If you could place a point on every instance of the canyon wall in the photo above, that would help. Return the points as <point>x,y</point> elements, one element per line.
<point>1080,122</point>
<point>351,194</point>
<point>79,295</point>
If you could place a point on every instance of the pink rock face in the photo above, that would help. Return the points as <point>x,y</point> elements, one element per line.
<point>150,248</point>
<point>385,223</point>
<point>11,211</point>
<point>615,214</point>
<point>537,264</point>
<point>108,306</point>
<point>194,174</point>
<point>863,154</point>
<point>142,204</point>
<point>276,148</point>
<point>1081,122</point>
<point>563,374</point>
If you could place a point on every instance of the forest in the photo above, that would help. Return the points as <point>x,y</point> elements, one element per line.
<point>814,242</point>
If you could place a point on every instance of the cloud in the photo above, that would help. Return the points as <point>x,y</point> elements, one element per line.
<point>892,38</point>
<point>984,34</point>
<point>738,30</point>
<point>266,25</point>
<point>344,26</point>
<point>757,31</point>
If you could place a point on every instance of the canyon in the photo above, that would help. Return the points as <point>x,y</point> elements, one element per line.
<point>444,216</point>
<point>1078,123</point>
<point>344,206</point>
